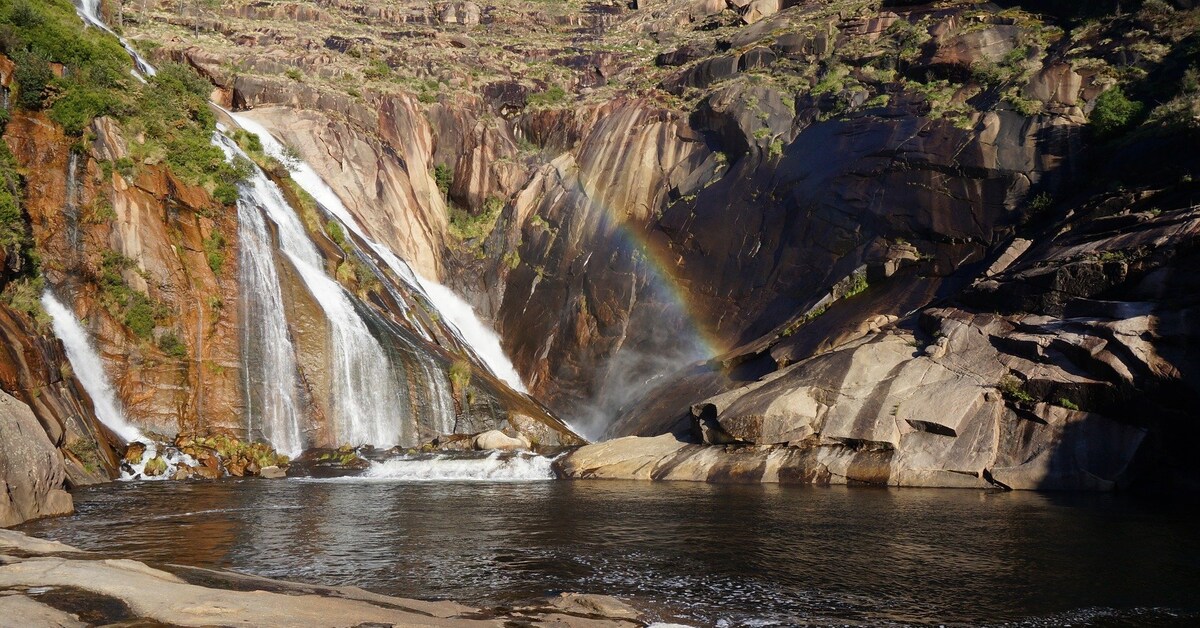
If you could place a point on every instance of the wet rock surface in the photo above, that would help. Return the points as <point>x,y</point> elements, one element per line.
<point>48,583</point>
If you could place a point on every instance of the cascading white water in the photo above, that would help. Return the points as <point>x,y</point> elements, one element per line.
<point>89,369</point>
<point>441,397</point>
<point>367,405</point>
<point>474,333</point>
<point>365,396</point>
<point>270,371</point>
<point>89,10</point>
<point>496,467</point>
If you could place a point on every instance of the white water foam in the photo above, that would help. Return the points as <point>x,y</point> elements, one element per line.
<point>460,316</point>
<point>496,467</point>
<point>89,369</point>
<point>173,457</point>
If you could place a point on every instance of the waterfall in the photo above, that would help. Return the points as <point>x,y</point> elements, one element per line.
<point>270,371</point>
<point>367,403</point>
<point>89,369</point>
<point>89,10</point>
<point>71,211</point>
<point>458,315</point>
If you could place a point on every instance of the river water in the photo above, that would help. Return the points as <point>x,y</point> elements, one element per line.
<point>704,555</point>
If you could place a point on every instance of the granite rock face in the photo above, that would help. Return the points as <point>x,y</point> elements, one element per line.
<point>32,472</point>
<point>889,243</point>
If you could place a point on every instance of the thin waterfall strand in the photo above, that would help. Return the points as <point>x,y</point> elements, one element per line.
<point>89,369</point>
<point>89,10</point>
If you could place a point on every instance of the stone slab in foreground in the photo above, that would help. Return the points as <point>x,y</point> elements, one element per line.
<point>45,583</point>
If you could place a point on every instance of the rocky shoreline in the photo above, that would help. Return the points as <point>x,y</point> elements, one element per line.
<point>46,583</point>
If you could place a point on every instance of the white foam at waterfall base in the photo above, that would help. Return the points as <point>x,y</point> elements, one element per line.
<point>460,316</point>
<point>89,369</point>
<point>173,457</point>
<point>495,467</point>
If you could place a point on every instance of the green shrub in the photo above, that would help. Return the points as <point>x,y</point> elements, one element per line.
<point>24,295</point>
<point>171,345</point>
<point>76,108</point>
<point>226,193</point>
<point>1114,112</point>
<point>125,166</point>
<point>12,219</point>
<point>378,69</point>
<point>137,311</point>
<point>346,273</point>
<point>1040,203</point>
<point>33,76</point>
<point>214,250</point>
<point>1068,404</point>
<point>551,96</point>
<point>334,229</point>
<point>139,317</point>
<point>775,149</point>
<point>1013,389</point>
<point>460,374</point>
<point>858,285</point>
<point>443,176</point>
<point>467,226</point>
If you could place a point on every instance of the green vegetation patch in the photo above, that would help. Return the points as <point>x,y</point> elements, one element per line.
<point>467,226</point>
<point>77,74</point>
<point>134,308</point>
<point>14,237</point>
<point>1114,112</point>
<point>214,251</point>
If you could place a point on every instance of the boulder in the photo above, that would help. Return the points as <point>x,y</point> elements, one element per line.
<point>176,595</point>
<point>155,467</point>
<point>495,440</point>
<point>272,472</point>
<point>631,458</point>
<point>31,468</point>
<point>134,452</point>
<point>592,604</point>
<point>207,473</point>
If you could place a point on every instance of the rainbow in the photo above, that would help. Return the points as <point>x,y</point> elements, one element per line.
<point>661,266</point>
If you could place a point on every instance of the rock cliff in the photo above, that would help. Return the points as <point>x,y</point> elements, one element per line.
<point>116,200</point>
<point>938,239</point>
<point>899,243</point>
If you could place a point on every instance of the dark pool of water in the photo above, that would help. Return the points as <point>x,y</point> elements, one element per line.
<point>695,553</point>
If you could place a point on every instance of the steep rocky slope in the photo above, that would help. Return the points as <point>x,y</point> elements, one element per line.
<point>116,200</point>
<point>940,239</point>
<point>900,243</point>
